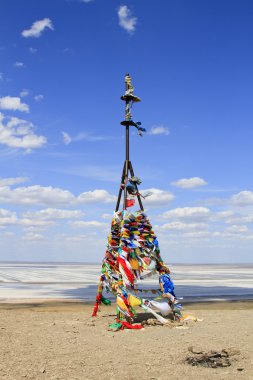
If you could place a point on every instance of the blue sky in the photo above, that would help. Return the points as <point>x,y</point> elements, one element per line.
<point>62,67</point>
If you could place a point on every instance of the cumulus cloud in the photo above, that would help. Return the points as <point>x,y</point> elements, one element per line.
<point>7,217</point>
<point>158,197</point>
<point>32,236</point>
<point>13,103</point>
<point>18,133</point>
<point>224,215</point>
<point>107,216</point>
<point>89,224</point>
<point>126,20</point>
<point>190,183</point>
<point>159,130</point>
<point>196,234</point>
<point>180,226</point>
<point>39,98</point>
<point>24,93</point>
<point>35,222</point>
<point>37,28</point>
<point>244,198</point>
<point>240,219</point>
<point>36,195</point>
<point>53,214</point>
<point>12,181</point>
<point>235,229</point>
<point>187,213</point>
<point>96,196</point>
<point>19,64</point>
<point>233,236</point>
<point>51,196</point>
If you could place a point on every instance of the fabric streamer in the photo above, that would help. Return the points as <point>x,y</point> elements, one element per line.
<point>121,325</point>
<point>158,317</point>
<point>163,307</point>
<point>133,254</point>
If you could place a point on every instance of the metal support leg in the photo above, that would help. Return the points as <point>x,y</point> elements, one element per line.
<point>125,190</point>
<point>120,190</point>
<point>138,196</point>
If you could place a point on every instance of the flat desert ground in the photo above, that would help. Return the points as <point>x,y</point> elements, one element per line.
<point>56,340</point>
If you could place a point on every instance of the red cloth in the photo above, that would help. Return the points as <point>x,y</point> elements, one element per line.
<point>127,325</point>
<point>130,202</point>
<point>95,310</point>
<point>98,302</point>
<point>127,271</point>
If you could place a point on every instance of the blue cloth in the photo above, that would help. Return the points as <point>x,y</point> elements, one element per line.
<point>168,286</point>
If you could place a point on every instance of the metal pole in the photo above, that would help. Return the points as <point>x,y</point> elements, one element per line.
<point>125,190</point>
<point>127,142</point>
<point>127,156</point>
<point>120,190</point>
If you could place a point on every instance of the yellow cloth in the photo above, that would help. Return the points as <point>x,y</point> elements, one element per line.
<point>134,301</point>
<point>134,263</point>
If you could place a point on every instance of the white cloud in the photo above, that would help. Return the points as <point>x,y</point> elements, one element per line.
<point>53,214</point>
<point>126,20</point>
<point>1,76</point>
<point>24,93</point>
<point>13,103</point>
<point>39,97</point>
<point>244,198</point>
<point>19,64</point>
<point>86,1</point>
<point>96,196</point>
<point>49,196</point>
<point>35,222</point>
<point>18,133</point>
<point>12,181</point>
<point>239,236</point>
<point>159,130</point>
<point>223,215</point>
<point>235,229</point>
<point>187,213</point>
<point>36,195</point>
<point>107,216</point>
<point>66,138</point>
<point>244,219</point>
<point>36,229</point>
<point>196,234</point>
<point>77,238</point>
<point>179,226</point>
<point>89,224</point>
<point>37,28</point>
<point>7,217</point>
<point>32,50</point>
<point>157,197</point>
<point>189,183</point>
<point>32,236</point>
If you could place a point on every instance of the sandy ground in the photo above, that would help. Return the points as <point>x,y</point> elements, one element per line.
<point>62,341</point>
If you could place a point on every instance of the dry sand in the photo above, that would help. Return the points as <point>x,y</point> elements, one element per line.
<point>62,341</point>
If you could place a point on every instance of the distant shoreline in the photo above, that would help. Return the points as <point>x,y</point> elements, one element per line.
<point>78,304</point>
<point>99,263</point>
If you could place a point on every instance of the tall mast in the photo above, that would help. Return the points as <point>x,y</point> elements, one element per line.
<point>129,99</point>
